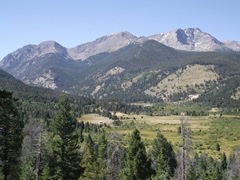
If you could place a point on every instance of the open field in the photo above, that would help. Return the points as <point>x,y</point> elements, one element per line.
<point>95,118</point>
<point>206,131</point>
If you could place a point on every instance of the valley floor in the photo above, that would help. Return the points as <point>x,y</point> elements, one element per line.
<point>206,131</point>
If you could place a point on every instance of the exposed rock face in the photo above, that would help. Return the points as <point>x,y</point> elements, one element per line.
<point>38,64</point>
<point>234,45</point>
<point>30,52</point>
<point>104,44</point>
<point>27,55</point>
<point>191,39</point>
<point>111,72</point>
<point>46,80</point>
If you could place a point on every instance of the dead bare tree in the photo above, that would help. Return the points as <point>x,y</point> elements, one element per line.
<point>233,170</point>
<point>186,147</point>
<point>38,153</point>
<point>115,157</point>
<point>32,147</point>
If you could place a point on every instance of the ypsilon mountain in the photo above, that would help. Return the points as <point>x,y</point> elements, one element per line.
<point>193,39</point>
<point>123,65</point>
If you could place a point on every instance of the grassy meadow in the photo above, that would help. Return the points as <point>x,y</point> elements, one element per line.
<point>206,131</point>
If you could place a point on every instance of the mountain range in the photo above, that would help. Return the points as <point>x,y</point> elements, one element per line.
<point>176,65</point>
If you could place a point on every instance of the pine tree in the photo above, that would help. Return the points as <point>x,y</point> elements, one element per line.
<point>137,165</point>
<point>66,157</point>
<point>89,160</point>
<point>223,162</point>
<point>10,137</point>
<point>202,167</point>
<point>164,156</point>
<point>191,174</point>
<point>102,156</point>
<point>213,170</point>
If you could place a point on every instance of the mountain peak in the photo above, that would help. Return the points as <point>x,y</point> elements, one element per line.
<point>29,52</point>
<point>49,43</point>
<point>104,44</point>
<point>50,47</point>
<point>124,34</point>
<point>190,39</point>
<point>192,29</point>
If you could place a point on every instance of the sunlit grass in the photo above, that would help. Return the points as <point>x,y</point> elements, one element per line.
<point>95,118</point>
<point>206,131</point>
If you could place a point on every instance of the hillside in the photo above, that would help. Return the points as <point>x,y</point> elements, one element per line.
<point>132,72</point>
<point>192,79</point>
<point>123,66</point>
<point>23,91</point>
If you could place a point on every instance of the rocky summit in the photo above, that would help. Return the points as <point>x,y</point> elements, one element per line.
<point>192,39</point>
<point>178,65</point>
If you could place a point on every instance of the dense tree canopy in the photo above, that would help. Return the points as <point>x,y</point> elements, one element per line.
<point>137,164</point>
<point>10,136</point>
<point>66,164</point>
<point>163,156</point>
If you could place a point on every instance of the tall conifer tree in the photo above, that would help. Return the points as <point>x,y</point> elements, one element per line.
<point>66,154</point>
<point>102,156</point>
<point>137,165</point>
<point>164,156</point>
<point>10,137</point>
<point>89,161</point>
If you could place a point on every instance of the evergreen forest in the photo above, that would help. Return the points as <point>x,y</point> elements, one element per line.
<point>47,140</point>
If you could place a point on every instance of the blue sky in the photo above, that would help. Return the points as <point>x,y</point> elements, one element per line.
<point>73,22</point>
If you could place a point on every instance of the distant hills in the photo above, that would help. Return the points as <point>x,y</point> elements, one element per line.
<point>179,65</point>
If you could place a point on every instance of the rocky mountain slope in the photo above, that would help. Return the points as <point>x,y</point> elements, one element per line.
<point>193,39</point>
<point>234,45</point>
<point>23,91</point>
<point>129,68</point>
<point>46,64</point>
<point>103,44</point>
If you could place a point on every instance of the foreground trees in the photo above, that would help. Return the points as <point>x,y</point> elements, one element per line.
<point>94,159</point>
<point>66,149</point>
<point>137,164</point>
<point>10,137</point>
<point>66,158</point>
<point>32,149</point>
<point>233,166</point>
<point>89,160</point>
<point>163,157</point>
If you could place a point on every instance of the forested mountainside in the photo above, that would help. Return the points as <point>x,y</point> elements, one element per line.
<point>141,71</point>
<point>21,90</point>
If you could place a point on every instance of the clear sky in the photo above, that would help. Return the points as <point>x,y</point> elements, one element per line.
<point>73,22</point>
